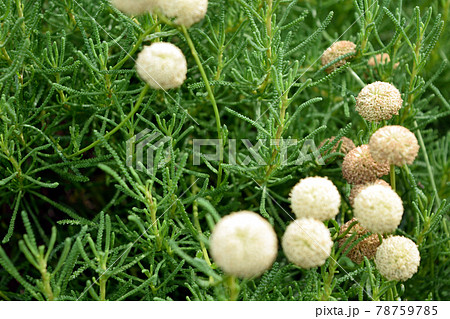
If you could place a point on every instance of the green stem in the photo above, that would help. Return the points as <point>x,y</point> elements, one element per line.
<point>357,78</point>
<point>47,287</point>
<point>427,162</point>
<point>392,175</point>
<point>102,289</point>
<point>233,287</point>
<point>279,133</point>
<point>211,97</point>
<point>118,127</point>
<point>135,47</point>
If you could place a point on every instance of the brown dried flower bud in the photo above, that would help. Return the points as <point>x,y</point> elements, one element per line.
<point>359,167</point>
<point>356,189</point>
<point>378,101</point>
<point>367,247</point>
<point>395,144</point>
<point>344,145</point>
<point>337,50</point>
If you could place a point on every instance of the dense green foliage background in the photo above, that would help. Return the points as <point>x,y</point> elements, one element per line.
<point>87,226</point>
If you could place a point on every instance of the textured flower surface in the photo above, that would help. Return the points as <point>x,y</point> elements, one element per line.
<point>134,7</point>
<point>244,244</point>
<point>356,189</point>
<point>367,247</point>
<point>395,144</point>
<point>378,208</point>
<point>307,243</point>
<point>315,197</point>
<point>378,101</point>
<point>397,258</point>
<point>186,12</point>
<point>344,145</point>
<point>359,167</point>
<point>162,65</point>
<point>335,51</point>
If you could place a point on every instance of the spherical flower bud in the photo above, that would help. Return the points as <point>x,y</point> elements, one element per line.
<point>359,187</point>
<point>307,243</point>
<point>359,167</point>
<point>378,101</point>
<point>186,12</point>
<point>395,144</point>
<point>244,244</point>
<point>344,145</point>
<point>162,65</point>
<point>315,197</point>
<point>397,258</point>
<point>381,59</point>
<point>378,208</point>
<point>134,7</point>
<point>367,247</point>
<point>337,50</point>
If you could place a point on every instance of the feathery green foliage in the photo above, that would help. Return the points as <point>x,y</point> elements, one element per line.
<point>89,226</point>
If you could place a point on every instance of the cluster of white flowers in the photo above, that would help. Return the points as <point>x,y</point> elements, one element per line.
<point>307,242</point>
<point>397,258</point>
<point>244,244</point>
<point>163,65</point>
<point>186,12</point>
<point>134,7</point>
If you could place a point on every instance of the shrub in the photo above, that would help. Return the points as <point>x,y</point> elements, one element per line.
<point>111,189</point>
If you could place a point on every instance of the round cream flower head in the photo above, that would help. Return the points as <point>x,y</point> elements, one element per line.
<point>395,144</point>
<point>307,243</point>
<point>315,197</point>
<point>134,7</point>
<point>378,101</point>
<point>162,65</point>
<point>337,50</point>
<point>186,12</point>
<point>359,167</point>
<point>244,244</point>
<point>366,247</point>
<point>359,187</point>
<point>378,208</point>
<point>397,258</point>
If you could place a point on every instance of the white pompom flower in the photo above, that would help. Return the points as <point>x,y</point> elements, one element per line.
<point>307,243</point>
<point>186,12</point>
<point>134,7</point>
<point>162,65</point>
<point>397,258</point>
<point>315,197</point>
<point>395,144</point>
<point>244,244</point>
<point>378,208</point>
